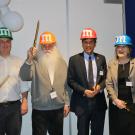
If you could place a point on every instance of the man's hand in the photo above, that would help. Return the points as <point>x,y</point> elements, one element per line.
<point>89,93</point>
<point>31,54</point>
<point>24,106</point>
<point>66,110</point>
<point>96,89</point>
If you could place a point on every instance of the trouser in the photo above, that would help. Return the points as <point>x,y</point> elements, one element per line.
<point>93,120</point>
<point>47,121</point>
<point>10,118</point>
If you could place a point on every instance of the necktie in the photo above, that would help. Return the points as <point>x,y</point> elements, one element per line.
<point>90,73</point>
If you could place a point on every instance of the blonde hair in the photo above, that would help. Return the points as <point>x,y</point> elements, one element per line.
<point>128,53</point>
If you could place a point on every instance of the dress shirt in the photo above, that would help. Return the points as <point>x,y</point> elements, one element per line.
<point>11,86</point>
<point>94,66</point>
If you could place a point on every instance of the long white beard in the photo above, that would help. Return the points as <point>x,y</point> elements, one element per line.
<point>49,61</point>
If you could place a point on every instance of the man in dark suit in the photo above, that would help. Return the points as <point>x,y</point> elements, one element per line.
<point>86,76</point>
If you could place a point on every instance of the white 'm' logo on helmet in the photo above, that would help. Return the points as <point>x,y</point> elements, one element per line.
<point>47,38</point>
<point>87,33</point>
<point>121,39</point>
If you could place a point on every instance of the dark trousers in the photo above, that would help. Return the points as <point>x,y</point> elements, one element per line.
<point>51,121</point>
<point>93,119</point>
<point>121,122</point>
<point>10,118</point>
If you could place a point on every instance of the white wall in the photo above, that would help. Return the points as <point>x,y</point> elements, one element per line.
<point>66,19</point>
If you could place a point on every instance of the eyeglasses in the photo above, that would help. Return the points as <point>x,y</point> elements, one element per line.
<point>88,42</point>
<point>121,47</point>
<point>47,46</point>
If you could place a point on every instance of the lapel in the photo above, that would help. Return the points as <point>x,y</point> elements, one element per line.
<point>96,57</point>
<point>115,69</point>
<point>98,60</point>
<point>82,66</point>
<point>132,63</point>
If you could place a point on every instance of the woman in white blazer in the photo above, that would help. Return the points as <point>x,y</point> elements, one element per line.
<point>120,85</point>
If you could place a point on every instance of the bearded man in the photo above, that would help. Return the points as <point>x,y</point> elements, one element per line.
<point>47,70</point>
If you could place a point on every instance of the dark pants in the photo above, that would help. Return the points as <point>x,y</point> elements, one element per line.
<point>121,122</point>
<point>51,121</point>
<point>93,120</point>
<point>10,118</point>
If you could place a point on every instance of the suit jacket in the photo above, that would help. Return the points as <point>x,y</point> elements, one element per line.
<point>112,81</point>
<point>77,80</point>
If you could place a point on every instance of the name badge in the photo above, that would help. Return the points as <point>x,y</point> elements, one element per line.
<point>53,94</point>
<point>101,73</point>
<point>129,84</point>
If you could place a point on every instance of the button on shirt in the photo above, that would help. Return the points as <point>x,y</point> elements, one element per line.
<point>11,86</point>
<point>94,66</point>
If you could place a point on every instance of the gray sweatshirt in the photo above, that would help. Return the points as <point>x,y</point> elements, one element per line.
<point>41,85</point>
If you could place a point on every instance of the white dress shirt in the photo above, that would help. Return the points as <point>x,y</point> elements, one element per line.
<point>11,86</point>
<point>94,66</point>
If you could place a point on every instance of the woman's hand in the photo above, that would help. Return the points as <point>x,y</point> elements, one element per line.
<point>120,103</point>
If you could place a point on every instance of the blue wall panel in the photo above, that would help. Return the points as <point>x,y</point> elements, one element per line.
<point>130,20</point>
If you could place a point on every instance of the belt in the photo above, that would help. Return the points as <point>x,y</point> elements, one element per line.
<point>9,103</point>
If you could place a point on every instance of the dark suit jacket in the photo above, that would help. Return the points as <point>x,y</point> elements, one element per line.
<point>77,80</point>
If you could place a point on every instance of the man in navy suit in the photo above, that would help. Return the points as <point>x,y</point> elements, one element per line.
<point>86,76</point>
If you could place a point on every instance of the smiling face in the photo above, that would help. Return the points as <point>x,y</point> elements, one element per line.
<point>88,45</point>
<point>122,51</point>
<point>5,47</point>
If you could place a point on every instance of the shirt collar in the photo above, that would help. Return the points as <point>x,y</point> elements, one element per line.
<point>2,58</point>
<point>86,56</point>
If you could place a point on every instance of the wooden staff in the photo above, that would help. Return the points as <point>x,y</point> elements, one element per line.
<point>36,35</point>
